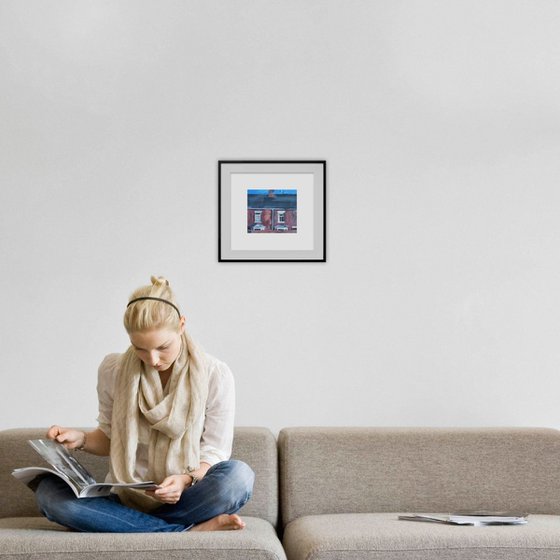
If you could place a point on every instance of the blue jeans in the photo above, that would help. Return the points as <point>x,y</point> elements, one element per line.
<point>225,488</point>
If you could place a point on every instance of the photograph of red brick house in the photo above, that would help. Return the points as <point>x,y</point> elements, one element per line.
<point>272,211</point>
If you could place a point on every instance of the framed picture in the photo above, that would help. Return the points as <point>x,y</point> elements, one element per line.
<point>271,211</point>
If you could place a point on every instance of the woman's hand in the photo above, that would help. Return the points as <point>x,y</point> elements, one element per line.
<point>171,488</point>
<point>70,438</point>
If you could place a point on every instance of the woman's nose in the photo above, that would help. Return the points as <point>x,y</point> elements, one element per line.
<point>153,358</point>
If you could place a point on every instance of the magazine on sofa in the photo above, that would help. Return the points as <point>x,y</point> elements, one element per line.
<point>68,468</point>
<point>476,518</point>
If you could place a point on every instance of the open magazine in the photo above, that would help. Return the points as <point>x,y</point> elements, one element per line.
<point>477,518</point>
<point>68,468</point>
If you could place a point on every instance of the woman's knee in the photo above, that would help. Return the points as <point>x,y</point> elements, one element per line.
<point>54,498</point>
<point>243,475</point>
<point>235,470</point>
<point>239,479</point>
<point>46,489</point>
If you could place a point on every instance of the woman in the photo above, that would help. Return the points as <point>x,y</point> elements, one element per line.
<point>166,414</point>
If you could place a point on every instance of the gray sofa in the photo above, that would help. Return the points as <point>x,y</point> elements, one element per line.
<point>25,535</point>
<point>342,489</point>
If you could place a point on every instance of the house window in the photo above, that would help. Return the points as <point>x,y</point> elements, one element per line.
<point>258,216</point>
<point>281,216</point>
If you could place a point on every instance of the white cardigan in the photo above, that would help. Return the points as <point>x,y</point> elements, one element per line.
<point>217,435</point>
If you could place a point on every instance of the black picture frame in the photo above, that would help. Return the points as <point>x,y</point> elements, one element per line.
<point>272,211</point>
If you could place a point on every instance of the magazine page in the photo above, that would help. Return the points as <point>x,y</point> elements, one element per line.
<point>488,518</point>
<point>104,488</point>
<point>63,462</point>
<point>476,519</point>
<point>428,518</point>
<point>28,474</point>
<point>69,469</point>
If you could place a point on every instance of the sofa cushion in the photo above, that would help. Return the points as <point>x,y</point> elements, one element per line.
<point>38,539</point>
<point>382,536</point>
<point>361,470</point>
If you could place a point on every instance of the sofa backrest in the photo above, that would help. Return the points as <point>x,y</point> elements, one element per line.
<point>256,446</point>
<point>360,470</point>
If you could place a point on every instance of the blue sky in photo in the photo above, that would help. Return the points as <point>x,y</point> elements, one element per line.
<point>275,191</point>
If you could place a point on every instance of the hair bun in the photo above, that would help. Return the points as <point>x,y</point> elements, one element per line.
<point>159,281</point>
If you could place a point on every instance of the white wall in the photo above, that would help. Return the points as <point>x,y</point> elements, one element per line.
<point>440,123</point>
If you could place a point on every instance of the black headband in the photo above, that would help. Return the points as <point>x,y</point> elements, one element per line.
<point>155,299</point>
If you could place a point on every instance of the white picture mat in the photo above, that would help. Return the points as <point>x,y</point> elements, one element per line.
<point>241,239</point>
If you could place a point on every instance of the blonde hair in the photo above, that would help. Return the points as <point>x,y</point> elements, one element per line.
<point>145,315</point>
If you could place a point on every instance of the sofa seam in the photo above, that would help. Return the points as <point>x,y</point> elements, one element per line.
<point>318,550</point>
<point>113,551</point>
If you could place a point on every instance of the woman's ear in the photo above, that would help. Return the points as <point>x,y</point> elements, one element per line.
<point>182,322</point>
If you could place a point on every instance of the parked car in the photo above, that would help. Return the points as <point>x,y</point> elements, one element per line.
<point>280,227</point>
<point>258,227</point>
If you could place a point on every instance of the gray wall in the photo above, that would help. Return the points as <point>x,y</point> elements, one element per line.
<point>440,123</point>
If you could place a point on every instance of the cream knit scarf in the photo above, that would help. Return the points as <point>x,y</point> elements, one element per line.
<point>173,418</point>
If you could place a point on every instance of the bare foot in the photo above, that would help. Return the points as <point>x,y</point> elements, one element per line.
<point>222,522</point>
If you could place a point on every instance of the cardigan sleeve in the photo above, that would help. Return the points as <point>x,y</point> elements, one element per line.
<point>105,389</point>
<point>217,435</point>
